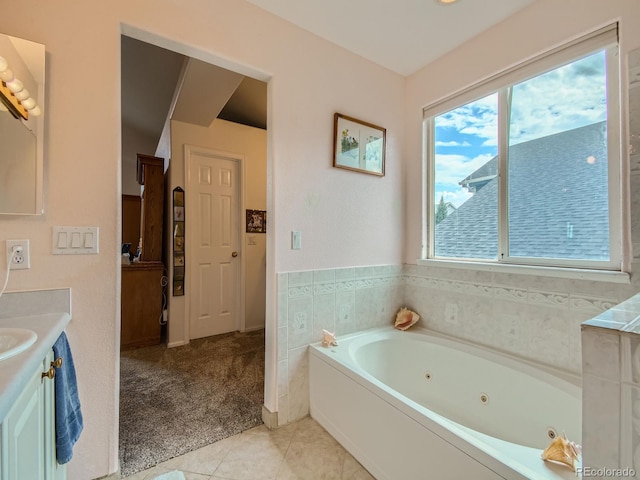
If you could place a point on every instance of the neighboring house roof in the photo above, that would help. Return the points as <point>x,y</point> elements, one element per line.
<point>558,193</point>
<point>481,176</point>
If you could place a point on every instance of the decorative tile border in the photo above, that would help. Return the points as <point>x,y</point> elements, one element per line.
<point>501,292</point>
<point>300,284</point>
<point>359,278</point>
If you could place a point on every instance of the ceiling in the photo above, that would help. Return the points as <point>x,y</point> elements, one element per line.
<point>157,83</point>
<point>401,35</point>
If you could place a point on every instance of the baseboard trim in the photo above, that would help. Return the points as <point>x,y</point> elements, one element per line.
<point>253,329</point>
<point>270,419</point>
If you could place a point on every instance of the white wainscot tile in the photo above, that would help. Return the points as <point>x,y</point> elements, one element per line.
<point>283,309</point>
<point>618,317</point>
<point>300,279</point>
<point>590,305</point>
<point>283,342</point>
<point>630,346</point>
<point>410,269</point>
<point>365,308</point>
<point>601,353</point>
<point>552,299</point>
<point>630,425</point>
<point>505,331</point>
<point>601,422</point>
<point>575,345</point>
<point>282,280</point>
<point>505,292</point>
<point>324,312</point>
<point>324,276</point>
<point>549,338</point>
<point>631,304</point>
<point>345,274</point>
<point>283,377</point>
<point>283,410</point>
<point>298,383</point>
<point>300,321</point>
<point>345,312</point>
<point>365,272</point>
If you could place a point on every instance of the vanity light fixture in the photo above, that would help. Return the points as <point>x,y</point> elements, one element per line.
<point>446,2</point>
<point>13,96</point>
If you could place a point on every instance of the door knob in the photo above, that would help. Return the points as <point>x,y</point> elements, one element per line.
<point>234,254</point>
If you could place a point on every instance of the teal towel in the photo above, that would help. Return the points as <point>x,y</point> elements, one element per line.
<point>68,413</point>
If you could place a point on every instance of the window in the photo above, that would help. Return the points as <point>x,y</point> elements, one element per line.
<point>524,168</point>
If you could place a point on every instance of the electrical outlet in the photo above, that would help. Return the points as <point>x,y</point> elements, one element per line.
<point>20,259</point>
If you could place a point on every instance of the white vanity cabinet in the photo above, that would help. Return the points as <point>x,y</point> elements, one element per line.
<point>28,431</point>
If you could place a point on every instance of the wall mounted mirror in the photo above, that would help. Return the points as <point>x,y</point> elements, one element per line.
<point>22,67</point>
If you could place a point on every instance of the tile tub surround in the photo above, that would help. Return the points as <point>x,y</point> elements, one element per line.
<point>534,317</point>
<point>341,300</point>
<point>611,345</point>
<point>611,388</point>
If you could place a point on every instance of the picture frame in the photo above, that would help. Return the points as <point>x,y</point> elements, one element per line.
<point>178,242</point>
<point>256,221</point>
<point>358,145</point>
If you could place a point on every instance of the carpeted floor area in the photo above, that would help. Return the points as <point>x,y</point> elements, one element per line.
<point>175,400</point>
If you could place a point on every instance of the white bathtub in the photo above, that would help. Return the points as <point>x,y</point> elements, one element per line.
<point>420,406</point>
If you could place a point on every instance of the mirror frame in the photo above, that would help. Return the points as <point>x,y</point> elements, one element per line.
<point>33,55</point>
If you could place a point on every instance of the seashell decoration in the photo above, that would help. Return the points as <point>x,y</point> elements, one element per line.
<point>561,450</point>
<point>406,318</point>
<point>328,339</point>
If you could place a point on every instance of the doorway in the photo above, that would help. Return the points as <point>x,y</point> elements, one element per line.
<point>213,195</point>
<point>180,333</point>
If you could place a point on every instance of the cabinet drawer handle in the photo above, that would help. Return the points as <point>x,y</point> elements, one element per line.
<point>50,373</point>
<point>57,363</point>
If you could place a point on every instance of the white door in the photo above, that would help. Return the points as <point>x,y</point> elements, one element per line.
<point>212,242</point>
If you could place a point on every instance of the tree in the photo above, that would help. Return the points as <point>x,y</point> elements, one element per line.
<point>442,209</point>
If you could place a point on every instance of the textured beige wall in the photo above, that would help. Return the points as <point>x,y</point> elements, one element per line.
<point>309,79</point>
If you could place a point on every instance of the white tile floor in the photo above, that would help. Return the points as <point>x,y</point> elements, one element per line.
<point>299,451</point>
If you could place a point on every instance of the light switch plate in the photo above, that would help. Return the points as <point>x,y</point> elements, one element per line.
<point>296,240</point>
<point>75,240</point>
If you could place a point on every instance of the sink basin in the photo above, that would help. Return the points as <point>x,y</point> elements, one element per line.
<point>15,340</point>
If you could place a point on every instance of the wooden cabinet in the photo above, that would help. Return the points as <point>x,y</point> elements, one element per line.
<point>141,292</point>
<point>151,176</point>
<point>28,432</point>
<point>131,215</point>
<point>141,300</point>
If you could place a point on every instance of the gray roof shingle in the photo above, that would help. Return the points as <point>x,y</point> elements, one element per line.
<point>558,194</point>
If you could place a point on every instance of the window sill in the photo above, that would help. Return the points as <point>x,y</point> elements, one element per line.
<point>556,272</point>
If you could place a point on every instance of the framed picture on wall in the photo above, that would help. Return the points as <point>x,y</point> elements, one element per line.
<point>178,242</point>
<point>358,145</point>
<point>256,221</point>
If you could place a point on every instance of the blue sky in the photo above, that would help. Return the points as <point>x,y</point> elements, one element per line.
<point>569,97</point>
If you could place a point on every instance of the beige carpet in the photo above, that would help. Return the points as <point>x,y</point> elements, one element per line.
<point>173,401</point>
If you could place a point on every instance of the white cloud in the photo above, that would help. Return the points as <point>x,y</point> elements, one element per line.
<point>479,118</point>
<point>451,169</point>
<point>569,97</point>
<point>456,198</point>
<point>453,143</point>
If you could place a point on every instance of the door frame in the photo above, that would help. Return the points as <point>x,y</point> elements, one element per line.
<point>239,159</point>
